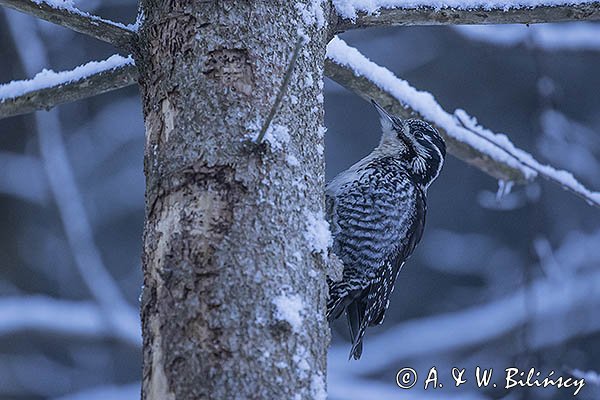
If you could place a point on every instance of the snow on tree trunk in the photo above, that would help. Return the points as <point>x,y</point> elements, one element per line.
<point>234,290</point>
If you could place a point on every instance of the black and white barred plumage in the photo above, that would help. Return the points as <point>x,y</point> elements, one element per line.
<point>376,210</point>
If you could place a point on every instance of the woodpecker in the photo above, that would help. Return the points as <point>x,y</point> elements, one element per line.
<point>376,211</point>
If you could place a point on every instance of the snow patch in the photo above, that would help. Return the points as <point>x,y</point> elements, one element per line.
<point>312,13</point>
<point>281,365</point>
<point>317,387</point>
<point>293,99</point>
<point>277,135</point>
<point>308,81</point>
<point>322,130</point>
<point>298,256</point>
<point>299,359</point>
<point>59,4</point>
<point>292,160</point>
<point>320,149</point>
<point>141,295</point>
<point>289,309</point>
<point>305,38</point>
<point>139,20</point>
<point>317,232</point>
<point>48,78</point>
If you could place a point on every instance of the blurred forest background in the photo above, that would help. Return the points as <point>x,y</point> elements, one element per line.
<point>496,282</point>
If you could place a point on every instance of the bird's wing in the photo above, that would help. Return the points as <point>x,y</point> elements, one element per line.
<point>372,220</point>
<point>378,299</point>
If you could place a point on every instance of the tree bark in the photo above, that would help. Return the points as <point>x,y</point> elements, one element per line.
<point>234,289</point>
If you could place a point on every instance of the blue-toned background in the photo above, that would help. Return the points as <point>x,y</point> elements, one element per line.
<point>495,283</point>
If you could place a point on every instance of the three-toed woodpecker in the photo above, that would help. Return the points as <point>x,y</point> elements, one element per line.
<point>376,210</point>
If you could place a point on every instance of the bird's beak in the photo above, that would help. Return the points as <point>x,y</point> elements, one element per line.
<point>385,117</point>
<point>387,122</point>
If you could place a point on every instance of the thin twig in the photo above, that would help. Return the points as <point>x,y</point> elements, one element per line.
<point>284,85</point>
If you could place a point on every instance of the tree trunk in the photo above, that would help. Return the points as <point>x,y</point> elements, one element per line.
<point>234,289</point>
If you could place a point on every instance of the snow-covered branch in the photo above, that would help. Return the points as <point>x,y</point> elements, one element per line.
<point>492,153</point>
<point>64,13</point>
<point>348,67</point>
<point>366,13</point>
<point>62,317</point>
<point>48,88</point>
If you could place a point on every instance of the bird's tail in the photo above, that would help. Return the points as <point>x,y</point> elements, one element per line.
<point>355,312</point>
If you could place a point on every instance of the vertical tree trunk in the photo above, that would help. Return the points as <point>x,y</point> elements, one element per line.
<point>234,289</point>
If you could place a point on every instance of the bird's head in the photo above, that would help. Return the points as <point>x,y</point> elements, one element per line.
<point>415,142</point>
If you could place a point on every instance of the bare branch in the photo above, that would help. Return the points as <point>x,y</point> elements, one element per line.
<point>108,31</point>
<point>420,13</point>
<point>69,91</point>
